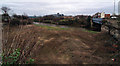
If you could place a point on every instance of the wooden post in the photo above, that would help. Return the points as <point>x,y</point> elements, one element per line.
<point>91,23</point>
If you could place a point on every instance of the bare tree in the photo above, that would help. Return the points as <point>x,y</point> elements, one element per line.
<point>5,9</point>
<point>5,15</point>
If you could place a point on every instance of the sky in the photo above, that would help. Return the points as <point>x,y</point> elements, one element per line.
<point>67,7</point>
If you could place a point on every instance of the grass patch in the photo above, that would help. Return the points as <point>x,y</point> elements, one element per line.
<point>51,27</point>
<point>90,31</point>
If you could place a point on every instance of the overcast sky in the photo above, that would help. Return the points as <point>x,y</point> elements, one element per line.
<point>67,7</point>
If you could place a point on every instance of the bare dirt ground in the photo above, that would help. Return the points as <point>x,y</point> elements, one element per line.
<point>72,46</point>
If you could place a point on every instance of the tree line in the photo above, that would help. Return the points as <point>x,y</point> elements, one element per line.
<point>14,19</point>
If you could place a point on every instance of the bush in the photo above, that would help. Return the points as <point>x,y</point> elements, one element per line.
<point>36,20</point>
<point>24,23</point>
<point>30,21</point>
<point>47,21</point>
<point>104,21</point>
<point>65,22</point>
<point>15,22</point>
<point>12,58</point>
<point>118,23</point>
<point>5,18</point>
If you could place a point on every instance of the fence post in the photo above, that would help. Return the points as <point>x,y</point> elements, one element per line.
<point>91,23</point>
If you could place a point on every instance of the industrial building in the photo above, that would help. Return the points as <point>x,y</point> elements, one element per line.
<point>119,7</point>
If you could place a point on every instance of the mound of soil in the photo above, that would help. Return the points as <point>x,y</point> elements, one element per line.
<point>56,47</point>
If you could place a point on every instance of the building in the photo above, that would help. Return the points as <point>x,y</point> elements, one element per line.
<point>102,15</point>
<point>119,7</point>
<point>107,15</point>
<point>97,15</point>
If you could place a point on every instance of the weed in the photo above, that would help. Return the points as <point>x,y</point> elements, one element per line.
<point>30,61</point>
<point>12,58</point>
<point>51,27</point>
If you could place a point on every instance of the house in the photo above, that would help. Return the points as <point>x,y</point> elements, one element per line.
<point>107,15</point>
<point>101,15</point>
<point>97,15</point>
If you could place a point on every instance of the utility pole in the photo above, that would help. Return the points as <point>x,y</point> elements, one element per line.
<point>119,8</point>
<point>114,9</point>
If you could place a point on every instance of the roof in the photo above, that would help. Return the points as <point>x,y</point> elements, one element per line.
<point>32,16</point>
<point>97,20</point>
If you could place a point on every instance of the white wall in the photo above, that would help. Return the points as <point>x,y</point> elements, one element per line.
<point>103,15</point>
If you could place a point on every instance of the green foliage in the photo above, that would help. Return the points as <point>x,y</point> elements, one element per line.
<point>30,61</point>
<point>89,18</point>
<point>51,27</point>
<point>24,23</point>
<point>65,22</point>
<point>15,22</point>
<point>12,58</point>
<point>36,20</point>
<point>5,17</point>
<point>47,21</point>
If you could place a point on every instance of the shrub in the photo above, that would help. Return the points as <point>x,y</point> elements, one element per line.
<point>47,21</point>
<point>66,22</point>
<point>30,23</point>
<point>12,58</point>
<point>15,22</point>
<point>104,21</point>
<point>118,24</point>
<point>36,20</point>
<point>24,23</point>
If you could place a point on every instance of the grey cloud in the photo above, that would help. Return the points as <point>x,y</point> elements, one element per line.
<point>73,7</point>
